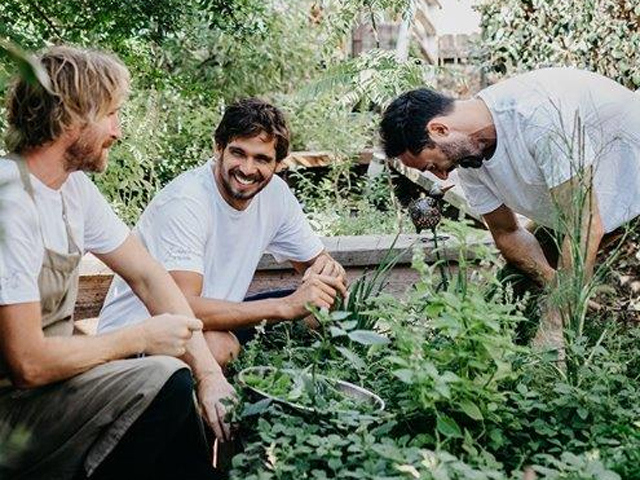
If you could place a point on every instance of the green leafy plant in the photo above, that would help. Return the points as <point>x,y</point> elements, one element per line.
<point>463,400</point>
<point>597,35</point>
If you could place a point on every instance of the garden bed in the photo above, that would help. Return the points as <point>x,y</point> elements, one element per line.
<point>356,253</point>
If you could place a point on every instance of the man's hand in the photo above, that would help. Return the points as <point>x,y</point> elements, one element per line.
<point>168,334</point>
<point>326,265</point>
<point>317,290</point>
<point>550,335</point>
<point>211,390</point>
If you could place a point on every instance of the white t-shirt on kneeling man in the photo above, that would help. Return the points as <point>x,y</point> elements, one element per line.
<point>94,225</point>
<point>550,125</point>
<point>189,226</point>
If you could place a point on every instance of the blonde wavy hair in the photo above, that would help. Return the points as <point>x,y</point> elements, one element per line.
<point>85,85</point>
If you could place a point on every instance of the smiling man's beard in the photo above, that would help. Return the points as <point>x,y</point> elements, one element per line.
<point>227,178</point>
<point>86,153</point>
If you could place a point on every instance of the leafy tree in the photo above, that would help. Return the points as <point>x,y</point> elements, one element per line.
<point>113,21</point>
<point>598,35</point>
<point>189,58</point>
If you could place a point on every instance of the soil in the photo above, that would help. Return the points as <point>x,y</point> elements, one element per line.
<point>620,293</point>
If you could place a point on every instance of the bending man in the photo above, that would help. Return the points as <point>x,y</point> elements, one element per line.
<point>560,146</point>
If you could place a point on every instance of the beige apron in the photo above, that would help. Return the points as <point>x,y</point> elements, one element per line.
<point>76,423</point>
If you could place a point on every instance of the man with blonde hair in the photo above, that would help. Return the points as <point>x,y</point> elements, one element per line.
<point>88,408</point>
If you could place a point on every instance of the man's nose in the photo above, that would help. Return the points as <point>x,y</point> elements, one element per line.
<point>116,131</point>
<point>249,166</point>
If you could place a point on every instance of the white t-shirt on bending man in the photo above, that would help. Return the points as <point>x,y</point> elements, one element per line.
<point>94,225</point>
<point>189,226</point>
<point>550,125</point>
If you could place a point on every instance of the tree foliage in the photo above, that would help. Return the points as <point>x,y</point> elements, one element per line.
<point>597,35</point>
<point>190,58</point>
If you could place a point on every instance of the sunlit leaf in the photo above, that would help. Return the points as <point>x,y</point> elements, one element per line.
<point>367,337</point>
<point>256,408</point>
<point>337,332</point>
<point>28,66</point>
<point>352,357</point>
<point>448,427</point>
<point>471,409</point>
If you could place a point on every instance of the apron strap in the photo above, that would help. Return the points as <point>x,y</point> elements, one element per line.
<point>28,186</point>
<point>72,245</point>
<point>24,174</point>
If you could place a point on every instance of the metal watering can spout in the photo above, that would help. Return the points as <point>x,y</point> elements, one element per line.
<point>437,191</point>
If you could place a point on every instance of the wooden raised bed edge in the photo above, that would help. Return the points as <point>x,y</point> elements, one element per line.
<point>356,253</point>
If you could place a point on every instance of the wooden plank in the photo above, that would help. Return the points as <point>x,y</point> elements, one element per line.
<point>95,278</point>
<point>355,253</point>
<point>367,250</point>
<point>398,281</point>
<point>319,159</point>
<point>92,291</point>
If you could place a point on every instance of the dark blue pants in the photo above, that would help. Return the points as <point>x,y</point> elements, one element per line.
<point>245,335</point>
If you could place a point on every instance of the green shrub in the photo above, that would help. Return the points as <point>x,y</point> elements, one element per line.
<point>166,134</point>
<point>463,401</point>
<point>598,35</point>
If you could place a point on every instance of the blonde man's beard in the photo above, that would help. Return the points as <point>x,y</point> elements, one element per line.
<point>87,153</point>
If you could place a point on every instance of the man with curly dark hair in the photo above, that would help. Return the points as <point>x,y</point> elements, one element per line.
<point>211,225</point>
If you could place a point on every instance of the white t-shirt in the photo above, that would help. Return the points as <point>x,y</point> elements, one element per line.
<point>550,123</point>
<point>189,226</point>
<point>94,225</point>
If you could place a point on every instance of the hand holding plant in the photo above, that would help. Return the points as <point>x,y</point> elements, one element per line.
<point>550,335</point>
<point>325,264</point>
<point>316,290</point>
<point>212,392</point>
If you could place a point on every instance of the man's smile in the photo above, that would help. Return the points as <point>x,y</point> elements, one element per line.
<point>243,179</point>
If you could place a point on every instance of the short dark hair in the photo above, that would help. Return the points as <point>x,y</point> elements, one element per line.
<point>250,117</point>
<point>403,126</point>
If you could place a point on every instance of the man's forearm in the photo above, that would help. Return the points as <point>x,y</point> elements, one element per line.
<point>521,248</point>
<point>586,246</point>
<point>60,358</point>
<point>200,359</point>
<point>161,294</point>
<point>227,316</point>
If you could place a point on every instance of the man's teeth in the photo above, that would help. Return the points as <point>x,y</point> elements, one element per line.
<point>244,181</point>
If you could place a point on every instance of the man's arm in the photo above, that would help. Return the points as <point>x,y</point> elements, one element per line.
<point>518,246</point>
<point>35,360</point>
<point>582,224</point>
<point>580,221</point>
<point>521,248</point>
<point>160,294</point>
<point>318,290</point>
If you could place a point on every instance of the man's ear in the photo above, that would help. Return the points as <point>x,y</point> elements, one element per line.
<point>218,149</point>
<point>436,128</point>
<point>71,133</point>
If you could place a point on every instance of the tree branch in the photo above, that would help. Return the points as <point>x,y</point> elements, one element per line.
<point>43,16</point>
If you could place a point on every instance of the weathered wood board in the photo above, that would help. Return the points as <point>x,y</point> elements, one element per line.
<point>355,253</point>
